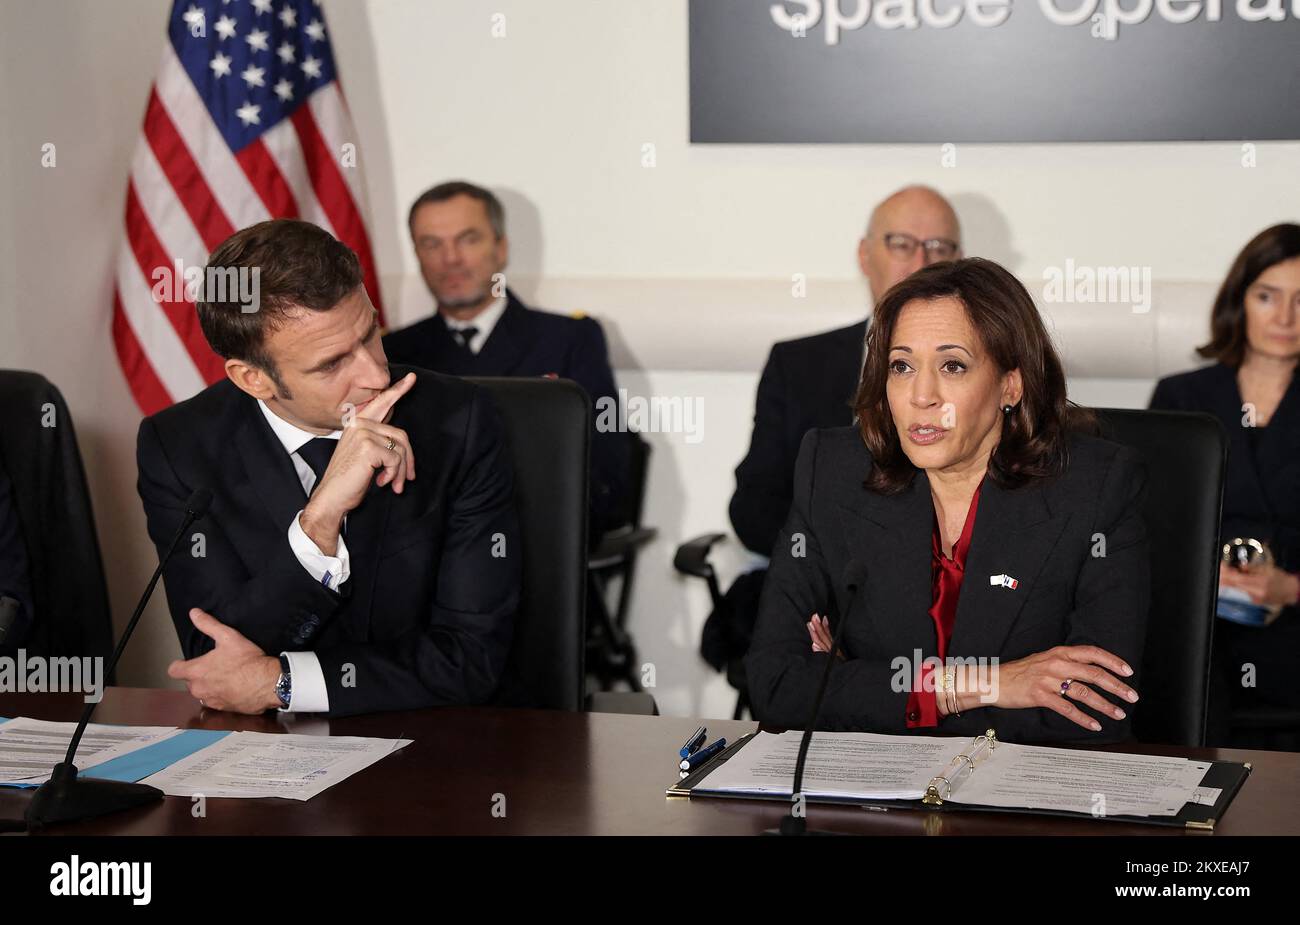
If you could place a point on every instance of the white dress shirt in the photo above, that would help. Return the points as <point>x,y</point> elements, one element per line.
<point>483,323</point>
<point>308,694</point>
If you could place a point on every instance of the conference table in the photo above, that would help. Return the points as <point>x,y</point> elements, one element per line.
<point>558,773</point>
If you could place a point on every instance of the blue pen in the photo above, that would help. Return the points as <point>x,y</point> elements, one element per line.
<point>703,755</point>
<point>694,742</point>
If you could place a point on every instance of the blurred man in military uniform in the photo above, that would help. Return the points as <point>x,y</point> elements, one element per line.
<point>481,328</point>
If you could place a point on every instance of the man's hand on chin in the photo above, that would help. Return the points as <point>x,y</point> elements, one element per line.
<point>236,675</point>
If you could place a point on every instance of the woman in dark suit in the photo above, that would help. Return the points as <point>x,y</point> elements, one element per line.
<point>1253,390</point>
<point>988,556</point>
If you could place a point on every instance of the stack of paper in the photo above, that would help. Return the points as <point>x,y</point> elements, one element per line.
<point>258,764</point>
<point>30,748</point>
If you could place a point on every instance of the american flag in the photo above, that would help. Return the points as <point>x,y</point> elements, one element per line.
<point>245,122</point>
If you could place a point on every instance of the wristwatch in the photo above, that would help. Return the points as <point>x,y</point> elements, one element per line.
<point>284,684</point>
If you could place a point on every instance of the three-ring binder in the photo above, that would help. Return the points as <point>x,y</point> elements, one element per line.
<point>965,762</point>
<point>942,793</point>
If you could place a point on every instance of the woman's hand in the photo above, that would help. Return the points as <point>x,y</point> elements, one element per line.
<point>1266,584</point>
<point>819,628</point>
<point>1035,681</point>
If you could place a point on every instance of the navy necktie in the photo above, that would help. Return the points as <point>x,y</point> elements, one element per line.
<point>464,336</point>
<point>316,453</point>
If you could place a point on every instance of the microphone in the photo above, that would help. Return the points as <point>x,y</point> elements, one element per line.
<point>8,616</point>
<point>65,797</point>
<point>798,825</point>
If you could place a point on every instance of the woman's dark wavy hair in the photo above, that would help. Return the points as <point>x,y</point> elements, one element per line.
<point>1036,432</point>
<point>1228,318</point>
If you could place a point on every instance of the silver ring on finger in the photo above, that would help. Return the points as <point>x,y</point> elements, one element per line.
<point>1065,686</point>
<point>390,444</point>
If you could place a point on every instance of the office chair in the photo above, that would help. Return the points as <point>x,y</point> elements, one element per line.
<point>548,427</point>
<point>1186,456</point>
<point>1265,726</point>
<point>730,625</point>
<point>38,449</point>
<point>611,650</point>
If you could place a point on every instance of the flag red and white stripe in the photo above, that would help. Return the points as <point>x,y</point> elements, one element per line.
<point>225,145</point>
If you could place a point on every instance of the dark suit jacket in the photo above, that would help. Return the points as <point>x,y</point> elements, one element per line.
<point>807,383</point>
<point>1042,534</point>
<point>527,342</point>
<point>1261,499</point>
<point>15,581</point>
<point>425,617</point>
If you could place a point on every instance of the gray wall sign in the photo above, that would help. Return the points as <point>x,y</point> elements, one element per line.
<point>847,71</point>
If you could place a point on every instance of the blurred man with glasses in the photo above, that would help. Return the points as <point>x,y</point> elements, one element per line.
<point>810,382</point>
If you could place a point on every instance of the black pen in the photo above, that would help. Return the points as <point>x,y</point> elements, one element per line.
<point>694,742</point>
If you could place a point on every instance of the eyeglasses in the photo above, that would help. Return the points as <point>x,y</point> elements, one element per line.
<point>903,246</point>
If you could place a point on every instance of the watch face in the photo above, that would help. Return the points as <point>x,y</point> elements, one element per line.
<point>284,683</point>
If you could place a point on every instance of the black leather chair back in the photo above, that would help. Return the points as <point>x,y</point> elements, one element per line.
<point>1186,455</point>
<point>548,423</point>
<point>38,449</point>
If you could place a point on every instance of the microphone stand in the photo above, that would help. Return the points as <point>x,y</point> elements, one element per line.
<point>65,797</point>
<point>794,824</point>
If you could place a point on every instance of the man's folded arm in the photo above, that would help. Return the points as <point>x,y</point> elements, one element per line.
<point>270,608</point>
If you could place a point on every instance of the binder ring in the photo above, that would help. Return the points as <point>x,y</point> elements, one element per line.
<point>940,787</point>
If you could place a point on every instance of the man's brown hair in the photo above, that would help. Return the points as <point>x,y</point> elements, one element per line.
<point>496,212</point>
<point>299,266</point>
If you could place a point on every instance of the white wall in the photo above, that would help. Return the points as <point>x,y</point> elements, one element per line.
<point>689,262</point>
<point>77,75</point>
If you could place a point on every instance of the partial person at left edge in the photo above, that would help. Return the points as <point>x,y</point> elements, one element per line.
<point>15,579</point>
<point>361,549</point>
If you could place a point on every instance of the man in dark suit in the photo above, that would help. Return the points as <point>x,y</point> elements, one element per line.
<point>481,328</point>
<point>327,577</point>
<point>809,383</point>
<point>15,582</point>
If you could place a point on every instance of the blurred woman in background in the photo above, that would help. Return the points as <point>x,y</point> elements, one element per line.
<point>1252,388</point>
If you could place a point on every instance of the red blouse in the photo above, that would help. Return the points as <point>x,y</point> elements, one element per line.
<point>945,576</point>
